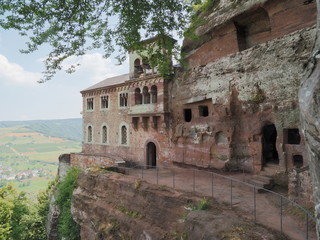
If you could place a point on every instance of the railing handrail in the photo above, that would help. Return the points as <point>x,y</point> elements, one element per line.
<point>228,178</point>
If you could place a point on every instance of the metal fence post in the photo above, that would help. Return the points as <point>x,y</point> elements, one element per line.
<point>231,193</point>
<point>307,223</point>
<point>194,180</point>
<point>212,184</point>
<point>173,180</point>
<point>254,204</point>
<point>281,213</point>
<point>157,175</point>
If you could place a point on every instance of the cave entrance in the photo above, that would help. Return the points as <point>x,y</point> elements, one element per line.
<point>151,155</point>
<point>269,149</point>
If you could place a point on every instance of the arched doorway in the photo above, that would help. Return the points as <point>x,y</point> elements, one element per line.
<point>151,154</point>
<point>269,148</point>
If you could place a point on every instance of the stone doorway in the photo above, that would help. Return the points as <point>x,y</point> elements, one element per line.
<point>151,154</point>
<point>269,148</point>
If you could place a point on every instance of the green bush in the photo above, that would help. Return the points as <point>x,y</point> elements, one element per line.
<point>67,228</point>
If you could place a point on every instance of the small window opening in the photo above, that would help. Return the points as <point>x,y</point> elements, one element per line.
<point>123,98</point>
<point>89,103</point>
<point>293,136</point>
<point>298,161</point>
<point>242,34</point>
<point>104,102</point>
<point>89,134</point>
<point>138,96</point>
<point>154,93</point>
<point>203,111</point>
<point>155,120</point>
<point>145,121</point>
<point>187,114</point>
<point>135,122</point>
<point>146,66</point>
<point>146,95</point>
<point>124,136</point>
<point>104,134</point>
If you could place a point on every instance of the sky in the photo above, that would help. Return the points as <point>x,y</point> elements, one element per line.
<point>22,98</point>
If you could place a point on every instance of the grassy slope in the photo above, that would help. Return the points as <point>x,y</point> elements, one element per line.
<point>36,145</point>
<point>69,129</point>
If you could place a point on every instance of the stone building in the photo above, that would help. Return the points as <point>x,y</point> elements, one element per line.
<point>125,118</point>
<point>233,107</point>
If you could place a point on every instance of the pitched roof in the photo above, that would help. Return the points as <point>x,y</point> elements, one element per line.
<point>109,82</point>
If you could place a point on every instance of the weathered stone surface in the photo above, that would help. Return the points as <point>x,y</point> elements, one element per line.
<point>112,206</point>
<point>299,187</point>
<point>244,92</point>
<point>309,97</point>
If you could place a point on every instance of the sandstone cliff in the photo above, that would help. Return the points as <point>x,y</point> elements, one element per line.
<point>110,205</point>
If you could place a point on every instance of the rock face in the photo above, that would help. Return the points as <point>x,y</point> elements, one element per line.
<point>54,211</point>
<point>300,189</point>
<point>110,205</point>
<point>309,97</point>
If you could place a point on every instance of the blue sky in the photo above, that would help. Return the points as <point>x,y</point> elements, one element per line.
<point>22,98</point>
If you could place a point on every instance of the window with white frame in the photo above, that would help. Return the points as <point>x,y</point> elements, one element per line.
<point>90,103</point>
<point>104,102</point>
<point>124,135</point>
<point>104,134</point>
<point>123,99</point>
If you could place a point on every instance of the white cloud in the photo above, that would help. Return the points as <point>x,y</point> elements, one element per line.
<point>15,74</point>
<point>97,68</point>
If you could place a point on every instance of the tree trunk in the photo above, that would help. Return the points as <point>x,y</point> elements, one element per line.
<point>309,100</point>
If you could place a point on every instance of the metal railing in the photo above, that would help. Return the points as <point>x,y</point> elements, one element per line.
<point>238,194</point>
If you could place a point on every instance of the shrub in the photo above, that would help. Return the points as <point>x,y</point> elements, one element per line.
<point>67,228</point>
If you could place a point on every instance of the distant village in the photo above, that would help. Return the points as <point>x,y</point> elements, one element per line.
<point>7,174</point>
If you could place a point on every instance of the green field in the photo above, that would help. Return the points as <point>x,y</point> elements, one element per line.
<point>31,157</point>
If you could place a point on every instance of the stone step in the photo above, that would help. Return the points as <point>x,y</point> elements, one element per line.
<point>265,179</point>
<point>261,182</point>
<point>271,169</point>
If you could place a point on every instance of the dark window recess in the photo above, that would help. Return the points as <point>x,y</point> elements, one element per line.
<point>155,120</point>
<point>187,114</point>
<point>203,111</point>
<point>145,121</point>
<point>242,34</point>
<point>298,161</point>
<point>293,136</point>
<point>135,122</point>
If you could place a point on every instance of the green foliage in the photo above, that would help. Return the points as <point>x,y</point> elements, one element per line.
<point>72,28</point>
<point>130,213</point>
<point>196,19</point>
<point>21,219</point>
<point>68,228</point>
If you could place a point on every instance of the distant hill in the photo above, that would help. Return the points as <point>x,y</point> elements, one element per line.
<point>69,129</point>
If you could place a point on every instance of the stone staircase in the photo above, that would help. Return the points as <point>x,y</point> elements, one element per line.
<point>264,179</point>
<point>261,182</point>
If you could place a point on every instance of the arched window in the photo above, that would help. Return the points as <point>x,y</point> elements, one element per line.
<point>104,134</point>
<point>124,135</point>
<point>146,95</point>
<point>138,96</point>
<point>90,134</point>
<point>154,93</point>
<point>145,65</point>
<point>137,67</point>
